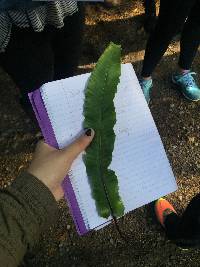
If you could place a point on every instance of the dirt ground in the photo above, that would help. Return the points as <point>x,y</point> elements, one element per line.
<point>178,122</point>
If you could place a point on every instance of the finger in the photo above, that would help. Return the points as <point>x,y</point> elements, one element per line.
<point>73,150</point>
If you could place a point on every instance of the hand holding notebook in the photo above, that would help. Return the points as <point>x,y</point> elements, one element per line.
<point>139,159</point>
<point>50,165</point>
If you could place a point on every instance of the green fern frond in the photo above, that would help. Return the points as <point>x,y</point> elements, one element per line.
<point>99,113</point>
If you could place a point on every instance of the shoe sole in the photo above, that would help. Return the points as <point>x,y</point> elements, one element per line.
<point>178,89</point>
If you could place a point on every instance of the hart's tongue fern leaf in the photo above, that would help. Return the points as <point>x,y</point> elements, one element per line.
<point>99,112</point>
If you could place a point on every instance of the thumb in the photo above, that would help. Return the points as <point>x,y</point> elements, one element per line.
<point>79,145</point>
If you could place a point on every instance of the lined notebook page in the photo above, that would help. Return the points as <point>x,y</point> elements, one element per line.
<point>139,159</point>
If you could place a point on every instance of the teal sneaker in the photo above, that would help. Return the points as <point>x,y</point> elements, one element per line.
<point>187,85</point>
<point>146,86</point>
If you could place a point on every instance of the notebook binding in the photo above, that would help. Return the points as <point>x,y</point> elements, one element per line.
<point>84,215</point>
<point>70,173</point>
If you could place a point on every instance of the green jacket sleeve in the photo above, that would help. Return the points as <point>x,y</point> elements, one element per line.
<point>27,208</point>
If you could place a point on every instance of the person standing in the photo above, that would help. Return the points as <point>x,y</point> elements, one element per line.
<point>173,16</point>
<point>39,42</point>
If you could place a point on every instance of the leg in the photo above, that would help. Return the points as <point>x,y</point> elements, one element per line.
<point>150,15</point>
<point>111,3</point>
<point>28,59</point>
<point>189,44</point>
<point>67,45</point>
<point>150,7</point>
<point>190,38</point>
<point>171,18</point>
<point>185,231</point>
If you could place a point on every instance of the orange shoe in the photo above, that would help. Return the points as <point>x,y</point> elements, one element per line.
<point>162,209</point>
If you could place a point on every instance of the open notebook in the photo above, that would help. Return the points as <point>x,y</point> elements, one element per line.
<point>139,159</point>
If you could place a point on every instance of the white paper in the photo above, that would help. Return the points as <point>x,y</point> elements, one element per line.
<point>139,159</point>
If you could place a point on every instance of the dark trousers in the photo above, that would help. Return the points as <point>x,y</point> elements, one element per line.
<point>150,7</point>
<point>185,230</point>
<point>174,15</point>
<point>33,58</point>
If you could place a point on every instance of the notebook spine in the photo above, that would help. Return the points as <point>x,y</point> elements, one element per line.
<point>70,173</point>
<point>75,188</point>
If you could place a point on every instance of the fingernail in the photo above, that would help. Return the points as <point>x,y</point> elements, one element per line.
<point>88,132</point>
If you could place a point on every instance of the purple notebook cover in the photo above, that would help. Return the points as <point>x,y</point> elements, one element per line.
<point>48,133</point>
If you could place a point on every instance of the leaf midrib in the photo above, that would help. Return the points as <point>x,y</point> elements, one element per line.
<point>100,147</point>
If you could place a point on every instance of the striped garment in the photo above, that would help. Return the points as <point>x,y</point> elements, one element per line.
<point>52,13</point>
